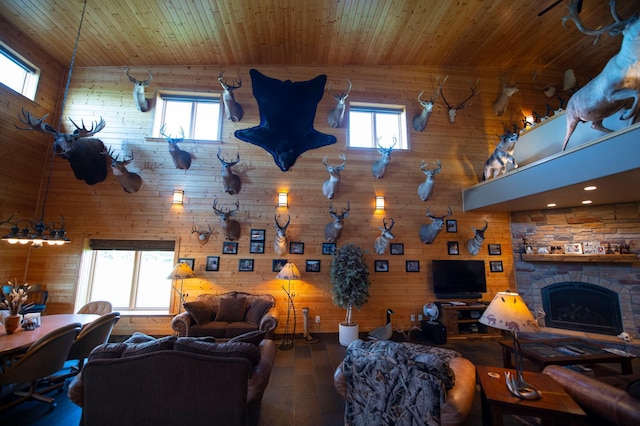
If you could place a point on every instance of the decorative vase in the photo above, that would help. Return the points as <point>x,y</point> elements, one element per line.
<point>11,323</point>
<point>347,333</point>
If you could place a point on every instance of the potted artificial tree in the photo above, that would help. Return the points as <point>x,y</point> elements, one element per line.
<point>350,279</point>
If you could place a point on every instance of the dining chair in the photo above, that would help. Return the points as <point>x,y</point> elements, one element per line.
<point>37,300</point>
<point>43,358</point>
<point>99,307</point>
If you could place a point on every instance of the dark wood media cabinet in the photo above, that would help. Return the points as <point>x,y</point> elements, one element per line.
<point>463,321</point>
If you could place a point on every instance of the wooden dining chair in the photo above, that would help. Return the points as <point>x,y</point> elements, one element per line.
<point>99,307</point>
<point>37,300</point>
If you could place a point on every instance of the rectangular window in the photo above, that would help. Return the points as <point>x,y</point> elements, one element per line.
<point>132,275</point>
<point>17,73</point>
<point>370,123</point>
<point>196,115</point>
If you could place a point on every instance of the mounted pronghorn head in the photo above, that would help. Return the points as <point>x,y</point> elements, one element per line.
<point>232,108</point>
<point>336,115</point>
<point>453,109</point>
<point>129,181</point>
<point>382,242</point>
<point>181,159</point>
<point>142,104</point>
<point>474,244</point>
<point>280,243</point>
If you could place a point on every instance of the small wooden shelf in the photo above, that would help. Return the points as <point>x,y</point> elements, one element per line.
<point>581,258</point>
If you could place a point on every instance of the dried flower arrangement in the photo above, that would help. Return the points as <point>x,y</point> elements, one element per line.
<point>15,295</point>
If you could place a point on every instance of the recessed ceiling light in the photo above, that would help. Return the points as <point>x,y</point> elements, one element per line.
<point>590,188</point>
<point>587,202</point>
<point>551,205</point>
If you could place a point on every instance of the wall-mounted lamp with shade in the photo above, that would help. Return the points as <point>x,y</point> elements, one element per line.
<point>291,273</point>
<point>283,199</point>
<point>178,197</point>
<point>379,202</point>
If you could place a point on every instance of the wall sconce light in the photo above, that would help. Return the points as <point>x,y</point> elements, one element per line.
<point>178,197</point>
<point>379,202</point>
<point>283,199</point>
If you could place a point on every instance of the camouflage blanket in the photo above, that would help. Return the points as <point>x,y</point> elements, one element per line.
<point>391,383</point>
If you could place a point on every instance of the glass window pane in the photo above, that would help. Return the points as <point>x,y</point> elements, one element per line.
<point>207,121</point>
<point>360,129</point>
<point>112,277</point>
<point>178,116</point>
<point>13,75</point>
<point>154,289</point>
<point>387,128</point>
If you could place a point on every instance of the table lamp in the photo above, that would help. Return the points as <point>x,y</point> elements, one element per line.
<point>181,271</point>
<point>507,311</point>
<point>291,273</point>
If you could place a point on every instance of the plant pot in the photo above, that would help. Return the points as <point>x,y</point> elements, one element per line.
<point>11,323</point>
<point>347,333</point>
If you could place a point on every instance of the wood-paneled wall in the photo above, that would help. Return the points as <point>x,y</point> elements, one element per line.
<point>105,210</point>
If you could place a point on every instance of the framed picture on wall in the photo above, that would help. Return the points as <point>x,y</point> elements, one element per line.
<point>413,266</point>
<point>245,265</point>
<point>313,266</point>
<point>397,248</point>
<point>213,263</point>
<point>229,247</point>
<point>278,264</point>
<point>452,225</point>
<point>189,261</point>
<point>494,249</point>
<point>256,247</point>
<point>452,248</point>
<point>296,248</point>
<point>257,235</point>
<point>382,265</point>
<point>495,265</point>
<point>328,248</point>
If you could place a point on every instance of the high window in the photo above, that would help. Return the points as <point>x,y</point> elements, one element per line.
<point>132,275</point>
<point>17,73</point>
<point>197,115</point>
<point>373,123</point>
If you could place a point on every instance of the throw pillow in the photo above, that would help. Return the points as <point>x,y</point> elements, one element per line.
<point>138,337</point>
<point>231,309</point>
<point>227,349</point>
<point>163,343</point>
<point>253,337</point>
<point>200,311</point>
<point>634,388</point>
<point>257,310</point>
<point>108,350</point>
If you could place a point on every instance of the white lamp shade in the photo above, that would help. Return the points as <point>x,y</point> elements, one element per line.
<point>181,270</point>
<point>289,272</point>
<point>507,311</point>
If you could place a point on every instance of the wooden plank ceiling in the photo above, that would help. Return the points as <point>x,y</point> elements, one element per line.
<point>503,34</point>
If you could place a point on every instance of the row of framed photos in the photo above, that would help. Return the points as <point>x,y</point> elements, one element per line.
<point>257,247</point>
<point>453,248</point>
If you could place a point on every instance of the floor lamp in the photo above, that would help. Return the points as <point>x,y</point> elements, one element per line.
<point>289,272</point>
<point>180,272</point>
<point>507,311</point>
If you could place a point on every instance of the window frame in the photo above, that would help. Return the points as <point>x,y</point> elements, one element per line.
<point>377,108</point>
<point>31,72</point>
<point>161,98</point>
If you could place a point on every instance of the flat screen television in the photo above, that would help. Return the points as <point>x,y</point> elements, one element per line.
<point>458,279</point>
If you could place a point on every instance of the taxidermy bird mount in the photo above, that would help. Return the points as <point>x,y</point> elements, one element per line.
<point>384,332</point>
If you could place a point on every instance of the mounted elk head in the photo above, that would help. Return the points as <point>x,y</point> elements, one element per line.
<point>502,156</point>
<point>453,109</point>
<point>203,236</point>
<point>426,188</point>
<point>379,167</point>
<point>420,121</point>
<point>181,159</point>
<point>230,180</point>
<point>230,227</point>
<point>129,181</point>
<point>382,242</point>
<point>428,233</point>
<point>83,153</point>
<point>508,90</point>
<point>617,84</point>
<point>330,187</point>
<point>280,243</point>
<point>333,229</point>
<point>474,244</point>
<point>336,115</point>
<point>232,108</point>
<point>142,104</point>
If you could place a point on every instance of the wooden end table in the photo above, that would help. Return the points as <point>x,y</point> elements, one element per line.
<point>554,405</point>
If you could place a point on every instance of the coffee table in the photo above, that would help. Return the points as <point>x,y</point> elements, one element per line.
<point>554,405</point>
<point>554,351</point>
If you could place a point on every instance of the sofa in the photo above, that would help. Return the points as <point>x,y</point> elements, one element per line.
<point>175,380</point>
<point>383,382</point>
<point>608,400</point>
<point>227,315</point>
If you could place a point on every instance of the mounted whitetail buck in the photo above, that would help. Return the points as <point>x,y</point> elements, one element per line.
<point>331,186</point>
<point>508,90</point>
<point>428,233</point>
<point>280,243</point>
<point>129,181</point>
<point>181,159</point>
<point>382,242</point>
<point>142,103</point>
<point>230,180</point>
<point>618,83</point>
<point>336,115</point>
<point>502,156</point>
<point>474,244</point>
<point>333,229</point>
<point>203,236</point>
<point>83,153</point>
<point>230,227</point>
<point>426,188</point>
<point>453,109</point>
<point>420,121</point>
<point>379,167</point>
<point>232,108</point>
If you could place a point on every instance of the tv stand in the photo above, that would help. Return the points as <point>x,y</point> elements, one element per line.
<point>463,321</point>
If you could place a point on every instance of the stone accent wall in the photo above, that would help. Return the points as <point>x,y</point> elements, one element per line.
<point>615,224</point>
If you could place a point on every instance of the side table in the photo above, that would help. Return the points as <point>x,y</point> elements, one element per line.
<point>554,405</point>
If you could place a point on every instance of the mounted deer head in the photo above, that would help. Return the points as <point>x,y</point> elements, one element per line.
<point>142,104</point>
<point>508,90</point>
<point>181,159</point>
<point>453,109</point>
<point>382,242</point>
<point>232,108</point>
<point>336,115</point>
<point>129,181</point>
<point>429,232</point>
<point>230,180</point>
<point>230,227</point>
<point>330,187</point>
<point>333,229</point>
<point>474,244</point>
<point>379,167</point>
<point>203,236</point>
<point>280,243</point>
<point>420,121</point>
<point>426,188</point>
<point>84,154</point>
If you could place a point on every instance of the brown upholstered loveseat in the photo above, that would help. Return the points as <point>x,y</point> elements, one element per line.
<point>227,315</point>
